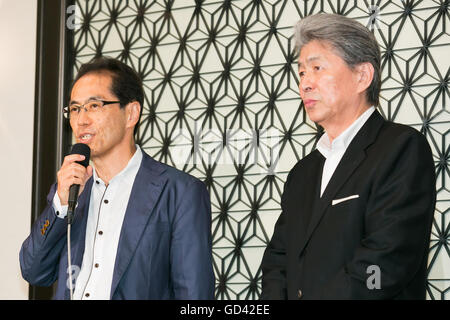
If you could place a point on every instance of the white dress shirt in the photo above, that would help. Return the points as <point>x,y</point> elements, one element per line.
<point>107,207</point>
<point>333,152</point>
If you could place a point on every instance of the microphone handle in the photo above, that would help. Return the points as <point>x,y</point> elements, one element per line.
<point>73,198</point>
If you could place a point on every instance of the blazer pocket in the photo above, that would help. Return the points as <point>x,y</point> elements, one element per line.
<point>337,201</point>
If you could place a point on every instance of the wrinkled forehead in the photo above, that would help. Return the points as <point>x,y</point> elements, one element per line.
<point>309,60</point>
<point>316,51</point>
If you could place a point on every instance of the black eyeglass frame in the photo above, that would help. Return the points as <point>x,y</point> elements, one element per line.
<point>66,110</point>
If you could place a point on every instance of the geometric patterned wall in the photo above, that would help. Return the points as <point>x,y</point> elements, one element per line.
<point>222,103</point>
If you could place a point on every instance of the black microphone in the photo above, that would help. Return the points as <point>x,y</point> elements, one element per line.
<point>83,149</point>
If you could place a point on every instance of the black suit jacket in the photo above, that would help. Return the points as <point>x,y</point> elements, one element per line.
<point>325,251</point>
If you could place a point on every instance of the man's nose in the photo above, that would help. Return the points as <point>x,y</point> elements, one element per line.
<point>306,84</point>
<point>83,117</point>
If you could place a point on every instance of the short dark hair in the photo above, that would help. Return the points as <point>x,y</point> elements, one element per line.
<point>126,83</point>
<point>353,42</point>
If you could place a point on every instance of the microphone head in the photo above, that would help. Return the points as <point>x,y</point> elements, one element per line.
<point>83,149</point>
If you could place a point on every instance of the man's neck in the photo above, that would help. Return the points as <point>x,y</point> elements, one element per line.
<point>109,165</point>
<point>334,129</point>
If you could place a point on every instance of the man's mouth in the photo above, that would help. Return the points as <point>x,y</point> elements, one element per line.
<point>309,102</point>
<point>86,137</point>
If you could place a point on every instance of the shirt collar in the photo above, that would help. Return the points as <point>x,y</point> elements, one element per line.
<point>129,171</point>
<point>341,142</point>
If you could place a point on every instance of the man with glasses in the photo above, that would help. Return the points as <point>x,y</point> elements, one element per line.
<point>141,229</point>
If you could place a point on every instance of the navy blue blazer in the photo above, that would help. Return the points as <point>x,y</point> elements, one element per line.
<point>165,246</point>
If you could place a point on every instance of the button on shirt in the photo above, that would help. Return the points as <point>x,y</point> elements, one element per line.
<point>107,208</point>
<point>333,152</point>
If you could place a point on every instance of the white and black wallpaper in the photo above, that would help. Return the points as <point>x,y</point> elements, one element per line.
<point>222,103</point>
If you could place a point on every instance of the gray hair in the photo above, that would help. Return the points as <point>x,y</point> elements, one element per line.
<point>353,42</point>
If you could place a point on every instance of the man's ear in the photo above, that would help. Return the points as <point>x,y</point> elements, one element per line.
<point>133,110</point>
<point>365,72</point>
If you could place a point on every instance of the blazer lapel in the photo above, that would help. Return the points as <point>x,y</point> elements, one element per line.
<point>145,193</point>
<point>307,197</point>
<point>80,222</point>
<point>78,235</point>
<point>352,158</point>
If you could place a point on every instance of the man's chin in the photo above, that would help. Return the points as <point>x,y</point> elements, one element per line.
<point>94,151</point>
<point>94,154</point>
<point>314,117</point>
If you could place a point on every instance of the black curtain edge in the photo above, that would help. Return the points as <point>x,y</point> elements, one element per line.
<point>52,135</point>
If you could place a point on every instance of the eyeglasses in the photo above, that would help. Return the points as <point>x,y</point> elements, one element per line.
<point>94,106</point>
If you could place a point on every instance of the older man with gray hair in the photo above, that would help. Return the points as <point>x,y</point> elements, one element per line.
<point>357,211</point>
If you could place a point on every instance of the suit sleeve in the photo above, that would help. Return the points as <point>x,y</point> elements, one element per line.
<point>274,260</point>
<point>397,223</point>
<point>191,246</point>
<point>40,252</point>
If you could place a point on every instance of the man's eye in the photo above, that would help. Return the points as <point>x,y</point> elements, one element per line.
<point>94,105</point>
<point>317,68</point>
<point>73,109</point>
<point>301,74</point>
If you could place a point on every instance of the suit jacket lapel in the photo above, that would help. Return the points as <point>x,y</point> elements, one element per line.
<point>80,222</point>
<point>144,195</point>
<point>78,234</point>
<point>307,198</point>
<point>352,158</point>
